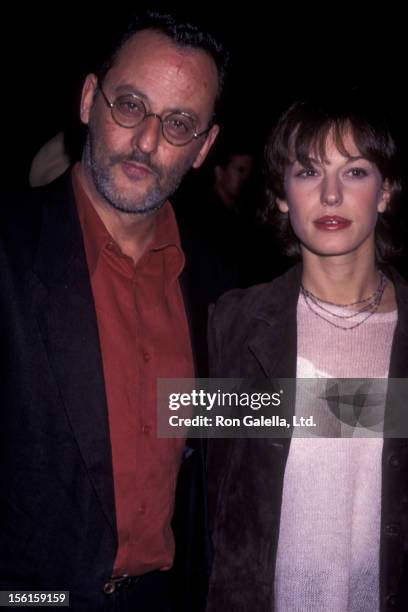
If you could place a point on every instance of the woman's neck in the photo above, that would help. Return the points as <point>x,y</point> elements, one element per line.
<point>340,279</point>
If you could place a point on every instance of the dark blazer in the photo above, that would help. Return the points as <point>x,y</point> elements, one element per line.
<point>57,511</point>
<point>253,334</point>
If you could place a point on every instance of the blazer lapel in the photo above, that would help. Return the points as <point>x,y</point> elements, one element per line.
<point>67,322</point>
<point>274,338</point>
<point>399,350</point>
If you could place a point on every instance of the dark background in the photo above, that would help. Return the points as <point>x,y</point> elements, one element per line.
<point>279,53</point>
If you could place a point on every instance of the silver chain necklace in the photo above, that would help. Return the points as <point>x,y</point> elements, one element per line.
<point>370,305</point>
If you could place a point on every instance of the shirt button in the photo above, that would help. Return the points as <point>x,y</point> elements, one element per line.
<point>110,247</point>
<point>392,529</point>
<point>392,602</point>
<point>394,461</point>
<point>142,509</point>
<point>146,356</point>
<point>145,429</point>
<point>109,588</point>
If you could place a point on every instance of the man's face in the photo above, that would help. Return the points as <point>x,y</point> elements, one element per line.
<point>136,169</point>
<point>236,174</point>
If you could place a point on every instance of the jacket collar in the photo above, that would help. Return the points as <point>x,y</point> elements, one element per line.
<point>274,337</point>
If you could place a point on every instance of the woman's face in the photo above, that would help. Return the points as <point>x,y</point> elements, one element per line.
<point>333,204</point>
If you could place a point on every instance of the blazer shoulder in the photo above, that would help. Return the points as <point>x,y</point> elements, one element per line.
<point>21,217</point>
<point>242,302</point>
<point>255,301</point>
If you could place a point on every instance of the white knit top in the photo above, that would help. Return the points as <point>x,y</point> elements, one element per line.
<point>329,538</point>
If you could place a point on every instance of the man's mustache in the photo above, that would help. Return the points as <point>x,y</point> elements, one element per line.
<point>139,158</point>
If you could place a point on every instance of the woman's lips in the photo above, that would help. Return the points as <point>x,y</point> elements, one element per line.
<point>331,223</point>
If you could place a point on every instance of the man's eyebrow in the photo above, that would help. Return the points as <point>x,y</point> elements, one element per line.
<point>132,90</point>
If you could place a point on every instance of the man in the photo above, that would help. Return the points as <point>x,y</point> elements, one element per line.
<point>232,172</point>
<point>241,244</point>
<point>92,313</point>
<point>228,210</point>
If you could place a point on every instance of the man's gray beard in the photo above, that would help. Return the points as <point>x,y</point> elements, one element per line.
<point>104,183</point>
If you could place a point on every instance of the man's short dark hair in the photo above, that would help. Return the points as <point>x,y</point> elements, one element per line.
<point>182,33</point>
<point>225,150</point>
<point>302,131</point>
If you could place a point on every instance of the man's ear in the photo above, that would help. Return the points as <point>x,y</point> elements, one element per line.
<point>87,97</point>
<point>208,143</point>
<point>282,205</point>
<point>385,197</point>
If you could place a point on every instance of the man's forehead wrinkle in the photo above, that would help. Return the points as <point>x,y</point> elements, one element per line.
<point>184,69</point>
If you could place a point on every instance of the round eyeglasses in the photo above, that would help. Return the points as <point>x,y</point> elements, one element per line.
<point>129,111</point>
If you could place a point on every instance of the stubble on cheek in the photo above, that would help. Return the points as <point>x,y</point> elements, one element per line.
<point>101,163</point>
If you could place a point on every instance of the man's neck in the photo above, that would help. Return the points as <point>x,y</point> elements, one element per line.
<point>228,201</point>
<point>132,232</point>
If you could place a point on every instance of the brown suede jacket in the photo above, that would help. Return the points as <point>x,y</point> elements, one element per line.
<point>252,334</point>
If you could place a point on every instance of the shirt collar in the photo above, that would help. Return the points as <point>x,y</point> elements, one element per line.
<point>166,237</point>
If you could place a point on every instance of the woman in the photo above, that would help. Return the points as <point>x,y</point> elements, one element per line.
<point>318,524</point>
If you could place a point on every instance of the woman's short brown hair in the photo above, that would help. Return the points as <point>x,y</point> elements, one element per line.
<point>302,131</point>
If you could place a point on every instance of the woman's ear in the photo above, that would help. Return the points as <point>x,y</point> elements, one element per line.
<point>282,205</point>
<point>385,197</point>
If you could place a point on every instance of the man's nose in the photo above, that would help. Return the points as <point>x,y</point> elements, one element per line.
<point>147,135</point>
